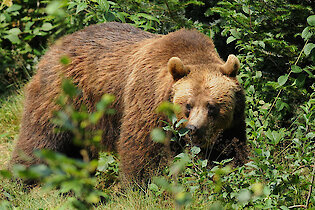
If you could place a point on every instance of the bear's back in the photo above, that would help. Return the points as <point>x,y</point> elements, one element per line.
<point>106,36</point>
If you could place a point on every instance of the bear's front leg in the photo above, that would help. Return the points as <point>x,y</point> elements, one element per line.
<point>140,157</point>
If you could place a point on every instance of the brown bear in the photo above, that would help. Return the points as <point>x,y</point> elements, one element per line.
<point>142,70</point>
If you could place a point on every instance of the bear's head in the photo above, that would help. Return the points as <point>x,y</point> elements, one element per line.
<point>206,94</point>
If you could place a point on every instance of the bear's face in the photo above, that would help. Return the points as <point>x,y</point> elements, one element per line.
<point>206,95</point>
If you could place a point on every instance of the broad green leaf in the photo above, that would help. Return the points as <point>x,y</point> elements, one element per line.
<point>246,9</point>
<point>262,44</point>
<point>308,48</point>
<point>230,39</point>
<point>244,196</point>
<point>183,132</point>
<point>14,31</point>
<point>180,122</point>
<point>204,163</point>
<point>5,173</point>
<point>13,38</point>
<point>81,7</point>
<point>121,16</point>
<point>296,69</point>
<point>103,4</point>
<point>47,27</point>
<point>69,88</point>
<point>158,135</point>
<point>148,17</point>
<point>110,16</point>
<point>92,198</point>
<point>283,79</point>
<point>153,187</point>
<point>28,26</point>
<point>300,80</point>
<point>280,105</point>
<point>306,33</point>
<point>195,150</point>
<point>14,7</point>
<point>258,74</point>
<point>65,60</point>
<point>182,198</point>
<point>235,33</point>
<point>311,20</point>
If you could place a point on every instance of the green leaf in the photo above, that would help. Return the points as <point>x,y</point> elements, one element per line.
<point>81,7</point>
<point>283,79</point>
<point>14,39</point>
<point>179,165</point>
<point>103,4</point>
<point>262,44</point>
<point>306,33</point>
<point>230,39</point>
<point>148,17</point>
<point>69,88</point>
<point>296,69</point>
<point>28,26</point>
<point>183,132</point>
<point>311,20</point>
<point>180,122</point>
<point>153,187</point>
<point>14,7</point>
<point>65,60</point>
<point>14,31</point>
<point>235,33</point>
<point>121,16</point>
<point>246,9</point>
<point>244,196</point>
<point>5,173</point>
<point>308,48</point>
<point>183,198</point>
<point>300,80</point>
<point>195,150</point>
<point>47,27</point>
<point>158,135</point>
<point>204,163</point>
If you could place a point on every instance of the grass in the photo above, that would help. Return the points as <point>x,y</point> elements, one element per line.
<point>10,116</point>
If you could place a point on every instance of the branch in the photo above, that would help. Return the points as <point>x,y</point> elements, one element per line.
<point>311,188</point>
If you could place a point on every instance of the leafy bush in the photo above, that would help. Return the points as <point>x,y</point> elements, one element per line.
<point>72,176</point>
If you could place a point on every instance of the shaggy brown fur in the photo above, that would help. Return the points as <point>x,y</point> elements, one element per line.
<point>133,65</point>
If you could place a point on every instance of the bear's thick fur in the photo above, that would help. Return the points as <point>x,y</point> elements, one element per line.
<point>142,70</point>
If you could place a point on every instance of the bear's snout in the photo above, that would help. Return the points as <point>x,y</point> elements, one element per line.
<point>191,128</point>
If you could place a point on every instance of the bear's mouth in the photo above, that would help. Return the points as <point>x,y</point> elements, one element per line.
<point>203,137</point>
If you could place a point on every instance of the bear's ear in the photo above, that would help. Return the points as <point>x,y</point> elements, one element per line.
<point>231,67</point>
<point>176,68</point>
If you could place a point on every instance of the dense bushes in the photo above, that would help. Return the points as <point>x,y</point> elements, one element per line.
<point>274,41</point>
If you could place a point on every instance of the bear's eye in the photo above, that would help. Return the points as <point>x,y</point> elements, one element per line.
<point>188,108</point>
<point>213,109</point>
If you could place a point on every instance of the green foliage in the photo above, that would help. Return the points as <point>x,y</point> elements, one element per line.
<point>157,15</point>
<point>71,175</point>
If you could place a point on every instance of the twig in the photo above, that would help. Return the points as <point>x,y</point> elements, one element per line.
<point>297,206</point>
<point>169,10</point>
<point>250,17</point>
<point>304,166</point>
<point>311,188</point>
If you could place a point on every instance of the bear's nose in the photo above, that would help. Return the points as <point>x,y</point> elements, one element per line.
<point>192,128</point>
